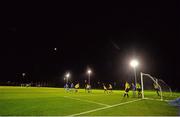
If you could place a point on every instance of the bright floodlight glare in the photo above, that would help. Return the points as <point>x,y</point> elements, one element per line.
<point>67,75</point>
<point>89,71</point>
<point>134,63</point>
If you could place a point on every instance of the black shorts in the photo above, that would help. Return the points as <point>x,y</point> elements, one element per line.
<point>139,90</point>
<point>127,90</point>
<point>157,89</point>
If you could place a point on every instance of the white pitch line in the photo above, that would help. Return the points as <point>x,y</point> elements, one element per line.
<point>85,112</point>
<point>156,99</point>
<point>87,101</point>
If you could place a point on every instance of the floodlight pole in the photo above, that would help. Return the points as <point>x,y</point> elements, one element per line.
<point>67,77</point>
<point>66,80</point>
<point>89,73</point>
<point>134,64</point>
<point>135,76</point>
<point>89,77</point>
<point>23,75</point>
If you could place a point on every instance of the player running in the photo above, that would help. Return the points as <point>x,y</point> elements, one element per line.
<point>76,87</point>
<point>105,89</point>
<point>66,87</point>
<point>127,87</point>
<point>110,88</point>
<point>72,87</point>
<point>88,88</point>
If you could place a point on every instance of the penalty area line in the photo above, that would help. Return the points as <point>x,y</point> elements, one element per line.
<point>98,109</point>
<point>87,101</point>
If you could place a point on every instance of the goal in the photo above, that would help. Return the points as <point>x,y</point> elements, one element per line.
<point>154,88</point>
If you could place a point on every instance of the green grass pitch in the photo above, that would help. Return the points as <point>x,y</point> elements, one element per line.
<point>33,101</point>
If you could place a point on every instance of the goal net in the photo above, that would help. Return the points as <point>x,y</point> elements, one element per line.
<point>154,88</point>
<point>166,90</point>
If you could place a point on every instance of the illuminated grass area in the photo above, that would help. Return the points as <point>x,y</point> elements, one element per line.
<point>55,101</point>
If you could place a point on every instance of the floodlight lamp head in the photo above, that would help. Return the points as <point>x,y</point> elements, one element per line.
<point>89,71</point>
<point>67,75</point>
<point>134,63</point>
<point>23,74</point>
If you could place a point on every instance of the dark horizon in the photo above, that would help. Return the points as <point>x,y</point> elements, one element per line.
<point>103,38</point>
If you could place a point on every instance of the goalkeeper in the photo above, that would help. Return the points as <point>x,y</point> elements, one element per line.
<point>156,87</point>
<point>127,87</point>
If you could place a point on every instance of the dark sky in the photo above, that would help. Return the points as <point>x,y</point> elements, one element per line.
<point>102,36</point>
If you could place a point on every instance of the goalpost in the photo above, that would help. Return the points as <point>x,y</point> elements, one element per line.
<point>154,80</point>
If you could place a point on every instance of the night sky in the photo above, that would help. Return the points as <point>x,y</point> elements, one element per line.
<point>102,36</point>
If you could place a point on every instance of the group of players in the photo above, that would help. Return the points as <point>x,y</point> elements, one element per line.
<point>137,87</point>
<point>72,87</point>
<point>107,90</point>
